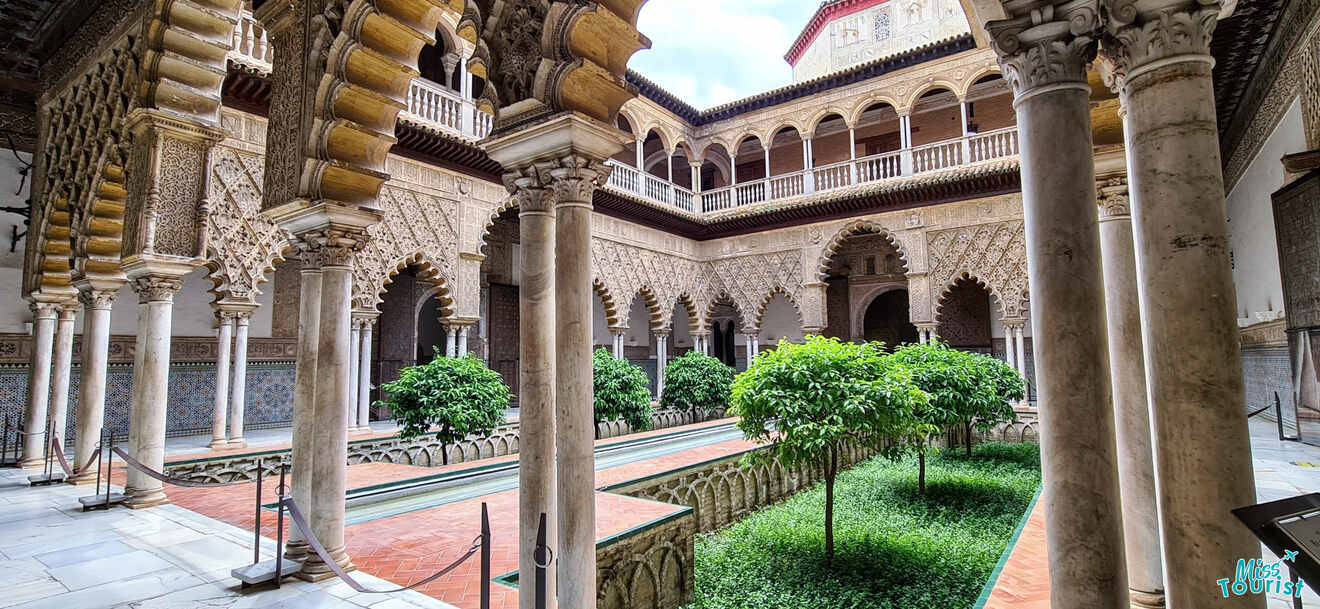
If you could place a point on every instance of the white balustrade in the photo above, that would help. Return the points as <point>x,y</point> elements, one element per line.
<point>481,122</point>
<point>879,167</point>
<point>683,199</point>
<point>829,177</point>
<point>940,155</point>
<point>787,185</point>
<point>993,145</point>
<point>433,104</point>
<point>250,45</point>
<point>717,200</point>
<point>746,194</point>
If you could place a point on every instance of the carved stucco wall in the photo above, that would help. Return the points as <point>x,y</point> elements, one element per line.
<point>438,219</point>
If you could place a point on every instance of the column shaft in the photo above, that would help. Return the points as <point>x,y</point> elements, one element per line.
<point>220,412</point>
<point>661,360</point>
<point>354,360</point>
<point>35,414</point>
<point>1201,438</point>
<point>1020,345</point>
<point>62,370</point>
<point>330,465</point>
<point>91,392</point>
<point>575,424</point>
<point>1010,348</point>
<point>1082,518</point>
<point>536,384</point>
<point>364,379</point>
<point>462,340</point>
<point>302,455</point>
<point>238,392</point>
<point>151,376</point>
<point>1136,467</point>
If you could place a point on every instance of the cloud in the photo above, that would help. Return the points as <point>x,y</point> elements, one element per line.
<point>711,52</point>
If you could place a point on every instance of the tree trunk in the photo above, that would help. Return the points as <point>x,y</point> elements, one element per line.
<point>921,470</point>
<point>596,426</point>
<point>444,454</point>
<point>830,470</point>
<point>967,429</point>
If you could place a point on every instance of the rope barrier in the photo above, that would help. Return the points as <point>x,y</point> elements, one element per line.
<point>296,514</point>
<point>135,464</point>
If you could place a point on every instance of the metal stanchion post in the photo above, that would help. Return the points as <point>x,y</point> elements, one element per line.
<point>4,444</point>
<point>485,557</point>
<point>48,474</point>
<point>542,550</point>
<point>256,521</point>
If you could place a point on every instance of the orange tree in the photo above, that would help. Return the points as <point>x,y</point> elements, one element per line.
<point>806,401</point>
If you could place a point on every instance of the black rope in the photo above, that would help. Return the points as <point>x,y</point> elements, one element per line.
<point>315,544</point>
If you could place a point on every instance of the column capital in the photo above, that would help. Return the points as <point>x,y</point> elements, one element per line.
<point>67,310</point>
<point>330,246</point>
<point>661,333</point>
<point>44,310</point>
<point>1140,35</point>
<point>156,288</point>
<point>1045,48</point>
<point>1014,323</point>
<point>1112,197</point>
<point>927,326</point>
<point>100,299</point>
<point>565,155</point>
<point>366,317</point>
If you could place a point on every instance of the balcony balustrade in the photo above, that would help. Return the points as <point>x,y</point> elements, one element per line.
<point>939,156</point>
<point>429,104</point>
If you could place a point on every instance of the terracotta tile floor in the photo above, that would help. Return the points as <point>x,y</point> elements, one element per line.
<point>1024,582</point>
<point>409,547</point>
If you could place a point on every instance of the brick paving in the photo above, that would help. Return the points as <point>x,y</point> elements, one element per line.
<point>1024,582</point>
<point>409,547</point>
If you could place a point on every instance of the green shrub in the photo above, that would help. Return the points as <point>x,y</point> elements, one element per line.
<point>965,389</point>
<point>456,396</point>
<point>810,399</point>
<point>697,383</point>
<point>622,391</point>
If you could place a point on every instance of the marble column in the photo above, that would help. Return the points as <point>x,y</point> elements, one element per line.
<point>1136,465</point>
<point>451,342</point>
<point>330,464</point>
<point>1020,345</point>
<point>62,370</point>
<point>35,413</point>
<point>364,378</point>
<point>748,347</point>
<point>220,411</point>
<point>354,360</point>
<point>303,453</point>
<point>574,182</point>
<point>1046,64</point>
<point>151,376</point>
<point>536,375</point>
<point>1180,230</point>
<point>91,392</point>
<point>238,387</point>
<point>618,333</point>
<point>463,340</point>
<point>1010,345</point>
<point>661,360</point>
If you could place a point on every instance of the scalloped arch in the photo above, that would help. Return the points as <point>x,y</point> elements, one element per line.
<point>770,295</point>
<point>990,289</point>
<point>857,227</point>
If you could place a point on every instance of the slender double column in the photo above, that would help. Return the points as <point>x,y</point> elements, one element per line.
<point>618,333</point>
<point>1136,467</point>
<point>96,302</point>
<point>364,374</point>
<point>355,361</point>
<point>238,389</point>
<point>224,337</point>
<point>334,249</point>
<point>151,372</point>
<point>1161,52</point>
<point>661,360</point>
<point>36,411</point>
<point>1045,55</point>
<point>925,333</point>
<point>62,370</point>
<point>303,453</point>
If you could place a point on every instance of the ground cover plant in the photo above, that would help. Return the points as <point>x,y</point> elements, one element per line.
<point>896,548</point>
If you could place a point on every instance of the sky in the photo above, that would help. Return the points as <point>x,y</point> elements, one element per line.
<point>711,52</point>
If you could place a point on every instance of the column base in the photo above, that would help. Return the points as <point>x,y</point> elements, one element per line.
<point>296,550</point>
<point>236,443</point>
<point>140,500</point>
<point>218,443</point>
<point>1146,600</point>
<point>314,570</point>
<point>83,478</point>
<point>359,430</point>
